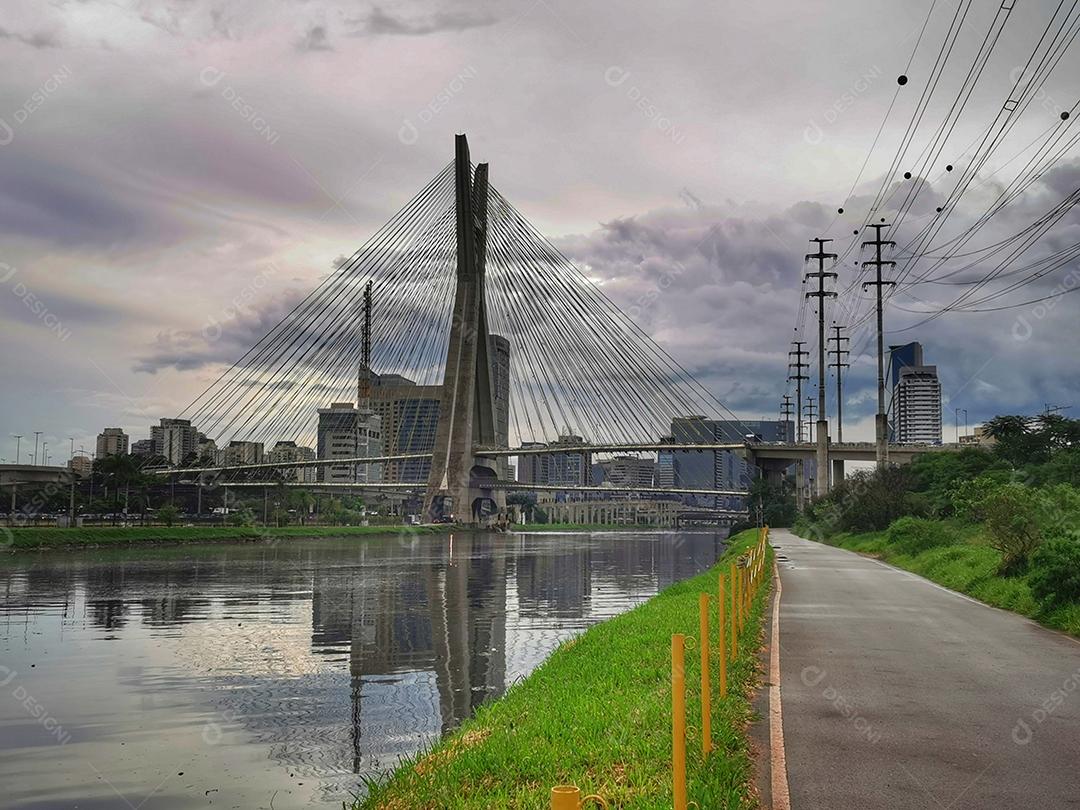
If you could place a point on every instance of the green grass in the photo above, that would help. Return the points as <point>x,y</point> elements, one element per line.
<point>968,566</point>
<point>597,714</point>
<point>95,536</point>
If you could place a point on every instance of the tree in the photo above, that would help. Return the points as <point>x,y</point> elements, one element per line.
<point>1017,442</point>
<point>168,514</point>
<point>119,472</point>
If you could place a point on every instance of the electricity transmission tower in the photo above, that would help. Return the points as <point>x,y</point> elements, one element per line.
<point>786,410</point>
<point>798,353</point>
<point>823,425</point>
<point>810,413</point>
<point>881,430</point>
<point>839,353</point>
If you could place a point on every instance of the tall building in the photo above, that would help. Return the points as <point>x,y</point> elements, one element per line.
<point>556,469</point>
<point>918,406</point>
<point>208,451</point>
<point>625,471</point>
<point>570,469</point>
<point>409,414</point>
<point>534,468</point>
<point>915,401</point>
<point>717,469</point>
<point>345,432</point>
<point>112,442</point>
<point>243,452</point>
<point>499,355</point>
<point>175,439</point>
<point>143,447</point>
<point>80,465</point>
<point>665,465</point>
<point>290,452</point>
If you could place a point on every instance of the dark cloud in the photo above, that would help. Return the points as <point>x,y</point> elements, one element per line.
<point>37,39</point>
<point>222,339</point>
<point>58,203</point>
<point>172,183</point>
<point>315,40</point>
<point>382,22</point>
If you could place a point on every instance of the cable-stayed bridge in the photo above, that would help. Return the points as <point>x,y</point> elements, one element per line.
<point>455,337</point>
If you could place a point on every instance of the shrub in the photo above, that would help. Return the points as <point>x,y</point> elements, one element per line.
<point>912,535</point>
<point>1012,515</point>
<point>168,514</point>
<point>969,497</point>
<point>1055,570</point>
<point>865,501</point>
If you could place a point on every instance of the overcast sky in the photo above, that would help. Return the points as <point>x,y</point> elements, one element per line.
<point>174,173</point>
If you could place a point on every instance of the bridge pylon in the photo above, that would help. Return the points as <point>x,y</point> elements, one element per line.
<point>460,485</point>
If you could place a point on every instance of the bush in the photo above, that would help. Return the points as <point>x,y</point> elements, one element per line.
<point>1012,515</point>
<point>911,535</point>
<point>168,514</point>
<point>864,502</point>
<point>969,497</point>
<point>1055,574</point>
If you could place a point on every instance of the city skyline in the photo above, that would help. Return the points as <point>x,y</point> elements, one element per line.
<point>695,225</point>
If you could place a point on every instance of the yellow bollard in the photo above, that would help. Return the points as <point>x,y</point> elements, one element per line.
<point>568,797</point>
<point>734,614</point>
<point>747,596</point>
<point>706,685</point>
<point>723,638</point>
<point>678,721</point>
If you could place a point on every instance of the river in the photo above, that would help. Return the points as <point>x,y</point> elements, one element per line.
<point>257,675</point>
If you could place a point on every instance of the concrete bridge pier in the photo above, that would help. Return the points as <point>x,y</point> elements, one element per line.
<point>837,472</point>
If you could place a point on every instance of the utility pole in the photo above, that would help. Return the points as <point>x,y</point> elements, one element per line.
<point>798,353</point>
<point>823,424</point>
<point>37,434</point>
<point>839,353</point>
<point>881,431</point>
<point>18,446</point>
<point>810,413</point>
<point>786,410</point>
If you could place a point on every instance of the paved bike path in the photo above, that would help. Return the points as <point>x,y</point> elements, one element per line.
<point>898,693</point>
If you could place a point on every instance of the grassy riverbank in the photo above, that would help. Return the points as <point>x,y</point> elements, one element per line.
<point>580,527</point>
<point>963,561</point>
<point>35,538</point>
<point>597,714</point>
<point>98,536</point>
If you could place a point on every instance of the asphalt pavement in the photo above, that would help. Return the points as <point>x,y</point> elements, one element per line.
<point>898,693</point>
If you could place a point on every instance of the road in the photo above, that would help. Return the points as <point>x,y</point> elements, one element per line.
<point>897,693</point>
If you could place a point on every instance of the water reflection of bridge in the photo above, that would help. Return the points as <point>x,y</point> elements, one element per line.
<point>446,613</point>
<point>403,641</point>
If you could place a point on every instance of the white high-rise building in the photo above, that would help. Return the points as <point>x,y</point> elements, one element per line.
<point>918,405</point>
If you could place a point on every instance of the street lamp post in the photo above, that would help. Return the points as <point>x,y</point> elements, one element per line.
<point>18,446</point>
<point>37,434</point>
